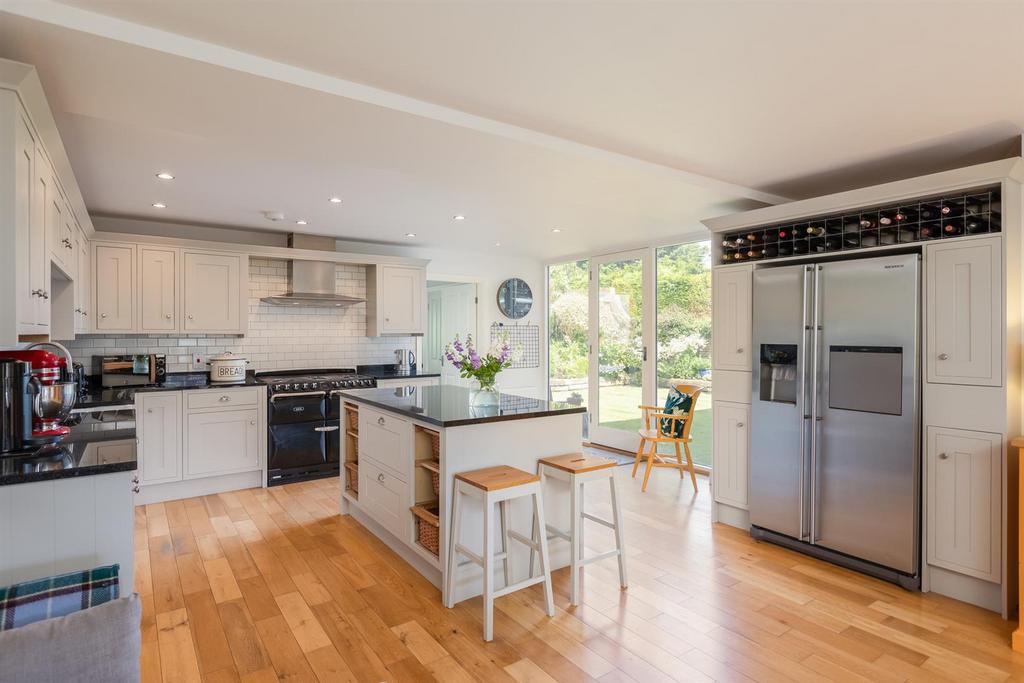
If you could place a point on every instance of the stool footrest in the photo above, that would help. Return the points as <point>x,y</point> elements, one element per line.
<point>519,586</point>
<point>599,520</point>
<point>516,536</point>
<point>554,532</point>
<point>474,558</point>
<point>599,557</point>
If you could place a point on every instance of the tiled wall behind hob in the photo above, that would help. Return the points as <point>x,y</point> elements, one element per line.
<point>278,337</point>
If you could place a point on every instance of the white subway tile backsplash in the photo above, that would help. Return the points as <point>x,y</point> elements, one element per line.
<point>277,338</point>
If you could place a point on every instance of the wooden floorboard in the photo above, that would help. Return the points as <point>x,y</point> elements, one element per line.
<point>273,584</point>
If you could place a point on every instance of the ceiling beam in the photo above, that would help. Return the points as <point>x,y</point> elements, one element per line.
<point>190,48</point>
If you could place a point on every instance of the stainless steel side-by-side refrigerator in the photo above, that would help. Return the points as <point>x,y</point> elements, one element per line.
<point>835,426</point>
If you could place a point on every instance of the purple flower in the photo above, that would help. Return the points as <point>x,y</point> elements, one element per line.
<point>458,345</point>
<point>475,362</point>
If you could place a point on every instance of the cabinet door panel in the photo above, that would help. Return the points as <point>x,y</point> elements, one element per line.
<point>39,259</point>
<point>158,301</point>
<point>159,431</point>
<point>731,329</point>
<point>382,437</point>
<point>221,442</point>
<point>731,451</point>
<point>115,287</point>
<point>385,498</point>
<point>211,292</point>
<point>83,284</point>
<point>401,292</point>
<point>965,501</point>
<point>24,187</point>
<point>964,295</point>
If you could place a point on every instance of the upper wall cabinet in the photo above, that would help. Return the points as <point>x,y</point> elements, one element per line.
<point>731,329</point>
<point>964,343</point>
<point>151,289</point>
<point>83,284</point>
<point>396,300</point>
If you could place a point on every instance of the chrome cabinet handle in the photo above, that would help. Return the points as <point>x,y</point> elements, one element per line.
<point>135,489</point>
<point>739,425</point>
<point>135,479</point>
<point>149,410</point>
<point>380,420</point>
<point>190,317</point>
<point>943,356</point>
<point>103,315</point>
<point>168,316</point>
<point>326,429</point>
<point>46,295</point>
<point>380,477</point>
<point>252,422</point>
<point>739,350</point>
<point>943,456</point>
<point>224,398</point>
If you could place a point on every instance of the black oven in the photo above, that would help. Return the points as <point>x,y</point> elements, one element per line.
<point>303,437</point>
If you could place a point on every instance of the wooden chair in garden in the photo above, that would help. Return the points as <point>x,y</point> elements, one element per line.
<point>660,427</point>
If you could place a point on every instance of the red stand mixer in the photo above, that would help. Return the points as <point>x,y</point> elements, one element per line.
<point>52,391</point>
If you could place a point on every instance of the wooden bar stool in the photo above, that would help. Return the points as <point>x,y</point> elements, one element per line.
<point>577,469</point>
<point>498,485</point>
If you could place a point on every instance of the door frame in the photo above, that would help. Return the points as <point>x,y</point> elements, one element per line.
<point>605,436</point>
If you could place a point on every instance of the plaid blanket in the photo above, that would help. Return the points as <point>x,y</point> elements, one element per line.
<point>57,596</point>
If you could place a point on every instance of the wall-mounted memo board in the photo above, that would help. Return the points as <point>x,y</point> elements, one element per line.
<point>523,337</point>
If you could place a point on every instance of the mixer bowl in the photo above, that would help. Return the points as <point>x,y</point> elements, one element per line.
<point>53,402</point>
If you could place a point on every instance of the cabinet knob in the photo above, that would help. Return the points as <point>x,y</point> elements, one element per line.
<point>225,398</point>
<point>135,489</point>
<point>135,479</point>
<point>252,422</point>
<point>190,317</point>
<point>168,316</point>
<point>380,420</point>
<point>943,456</point>
<point>943,356</point>
<point>739,350</point>
<point>739,425</point>
<point>46,295</point>
<point>149,410</point>
<point>85,313</point>
<point>103,315</point>
<point>380,477</point>
<point>387,320</point>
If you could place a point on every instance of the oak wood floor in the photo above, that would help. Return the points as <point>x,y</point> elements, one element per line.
<point>265,585</point>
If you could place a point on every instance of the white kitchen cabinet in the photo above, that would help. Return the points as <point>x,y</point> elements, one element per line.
<point>57,225</point>
<point>114,273</point>
<point>964,298</point>
<point>964,479</point>
<point>214,292</point>
<point>83,284</point>
<point>386,439</point>
<point>385,497</point>
<point>25,185</point>
<point>158,289</point>
<point>44,193</point>
<point>731,446</point>
<point>731,329</point>
<point>396,300</point>
<point>158,422</point>
<point>221,442</point>
<point>409,382</point>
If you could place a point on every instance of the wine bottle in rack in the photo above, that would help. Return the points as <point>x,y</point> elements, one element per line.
<point>929,212</point>
<point>833,244</point>
<point>888,217</point>
<point>801,247</point>
<point>815,231</point>
<point>728,244</point>
<point>739,241</point>
<point>950,208</point>
<point>952,228</point>
<point>726,258</point>
<point>867,223</point>
<point>884,220</point>
<point>906,215</point>
<point>753,237</point>
<point>929,232</point>
<point>739,256</point>
<point>754,254</point>
<point>976,225</point>
<point>851,241</point>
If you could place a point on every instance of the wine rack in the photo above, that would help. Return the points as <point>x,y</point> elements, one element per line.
<point>924,219</point>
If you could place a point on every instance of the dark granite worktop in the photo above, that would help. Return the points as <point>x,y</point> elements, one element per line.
<point>113,451</point>
<point>176,381</point>
<point>449,405</point>
<point>391,371</point>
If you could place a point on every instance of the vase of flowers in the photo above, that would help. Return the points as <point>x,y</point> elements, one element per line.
<point>482,368</point>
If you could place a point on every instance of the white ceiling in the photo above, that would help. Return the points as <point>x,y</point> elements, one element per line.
<point>618,122</point>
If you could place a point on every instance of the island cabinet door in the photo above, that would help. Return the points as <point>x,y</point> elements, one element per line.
<point>385,439</point>
<point>385,498</point>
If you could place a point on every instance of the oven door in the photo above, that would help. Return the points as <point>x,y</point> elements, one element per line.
<point>292,408</point>
<point>299,444</point>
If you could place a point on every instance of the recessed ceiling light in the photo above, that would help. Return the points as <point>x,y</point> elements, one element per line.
<point>164,175</point>
<point>556,230</point>
<point>300,222</point>
<point>335,200</point>
<point>159,205</point>
<point>497,244</point>
<point>459,217</point>
<point>410,234</point>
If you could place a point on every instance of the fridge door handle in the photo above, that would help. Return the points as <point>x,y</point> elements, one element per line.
<point>803,407</point>
<point>815,388</point>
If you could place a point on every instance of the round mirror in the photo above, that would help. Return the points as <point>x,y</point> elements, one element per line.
<point>515,298</point>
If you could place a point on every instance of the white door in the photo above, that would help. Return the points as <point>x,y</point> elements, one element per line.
<point>964,475</point>
<point>451,311</point>
<point>731,438</point>
<point>158,301</point>
<point>24,186</point>
<point>401,299</point>
<point>221,442</point>
<point>159,432</point>
<point>621,346</point>
<point>115,287</point>
<point>434,341</point>
<point>965,324</point>
<point>731,301</point>
<point>211,284</point>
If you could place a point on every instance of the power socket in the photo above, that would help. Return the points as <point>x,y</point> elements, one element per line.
<point>198,363</point>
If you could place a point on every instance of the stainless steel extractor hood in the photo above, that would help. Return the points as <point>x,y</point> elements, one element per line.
<point>311,283</point>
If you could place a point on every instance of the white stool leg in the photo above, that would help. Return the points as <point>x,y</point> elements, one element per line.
<point>583,524</point>
<point>453,560</point>
<point>488,568</point>
<point>574,536</point>
<point>541,470</point>
<point>545,559</point>
<point>620,532</point>
<point>504,539</point>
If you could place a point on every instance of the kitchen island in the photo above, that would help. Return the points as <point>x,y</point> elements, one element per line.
<point>404,445</point>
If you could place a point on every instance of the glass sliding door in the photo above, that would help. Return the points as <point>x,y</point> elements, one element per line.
<point>620,335</point>
<point>683,282</point>
<point>568,332</point>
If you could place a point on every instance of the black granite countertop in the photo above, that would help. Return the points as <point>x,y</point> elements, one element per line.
<point>176,381</point>
<point>450,405</point>
<point>73,457</point>
<point>391,371</point>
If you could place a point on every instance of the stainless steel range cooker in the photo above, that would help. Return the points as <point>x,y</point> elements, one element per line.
<point>304,421</point>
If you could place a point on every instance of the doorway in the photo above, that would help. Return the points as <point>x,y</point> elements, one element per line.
<point>451,310</point>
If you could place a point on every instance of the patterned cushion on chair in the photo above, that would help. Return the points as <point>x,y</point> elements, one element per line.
<point>57,596</point>
<point>675,404</point>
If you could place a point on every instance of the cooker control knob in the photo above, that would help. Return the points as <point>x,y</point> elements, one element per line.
<point>305,385</point>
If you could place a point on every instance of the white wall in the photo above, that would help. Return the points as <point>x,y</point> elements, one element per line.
<point>279,337</point>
